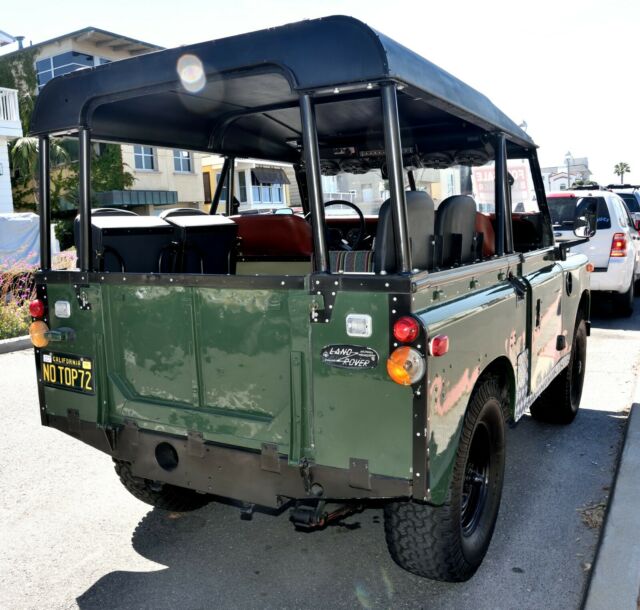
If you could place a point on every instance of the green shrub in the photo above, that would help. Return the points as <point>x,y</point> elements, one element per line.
<point>14,320</point>
<point>16,291</point>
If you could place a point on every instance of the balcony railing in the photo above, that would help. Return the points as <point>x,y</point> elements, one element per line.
<point>9,114</point>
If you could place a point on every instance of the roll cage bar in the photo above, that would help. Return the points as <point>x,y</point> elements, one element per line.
<point>291,126</point>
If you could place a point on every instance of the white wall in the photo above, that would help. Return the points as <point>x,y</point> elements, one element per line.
<point>6,199</point>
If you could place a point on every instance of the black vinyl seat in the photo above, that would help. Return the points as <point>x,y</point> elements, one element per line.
<point>124,241</point>
<point>420,221</point>
<point>206,243</point>
<point>455,230</point>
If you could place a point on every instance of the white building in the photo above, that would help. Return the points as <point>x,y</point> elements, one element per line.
<point>10,129</point>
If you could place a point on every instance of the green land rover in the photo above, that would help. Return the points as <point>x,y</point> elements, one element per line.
<point>369,345</point>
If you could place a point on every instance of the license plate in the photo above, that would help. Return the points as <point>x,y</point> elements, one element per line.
<point>68,372</point>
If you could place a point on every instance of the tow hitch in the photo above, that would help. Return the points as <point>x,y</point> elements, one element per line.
<point>309,516</point>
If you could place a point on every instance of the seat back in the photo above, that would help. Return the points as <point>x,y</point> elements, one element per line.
<point>420,221</point>
<point>484,226</point>
<point>127,242</point>
<point>274,236</point>
<point>455,227</point>
<point>206,243</point>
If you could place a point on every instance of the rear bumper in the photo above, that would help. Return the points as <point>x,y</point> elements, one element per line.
<point>264,478</point>
<point>615,278</point>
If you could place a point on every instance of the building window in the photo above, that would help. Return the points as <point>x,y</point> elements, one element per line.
<point>182,161</point>
<point>242,181</point>
<point>265,192</point>
<point>64,63</point>
<point>144,157</point>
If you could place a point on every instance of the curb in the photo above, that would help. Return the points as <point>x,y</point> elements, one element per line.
<point>13,345</point>
<point>615,580</point>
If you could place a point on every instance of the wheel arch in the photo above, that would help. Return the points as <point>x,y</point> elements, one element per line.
<point>502,370</point>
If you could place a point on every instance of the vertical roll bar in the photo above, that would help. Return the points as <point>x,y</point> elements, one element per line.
<point>314,183</point>
<point>44,188</point>
<point>231,176</point>
<point>84,256</point>
<point>219,186</point>
<point>501,192</point>
<point>393,150</point>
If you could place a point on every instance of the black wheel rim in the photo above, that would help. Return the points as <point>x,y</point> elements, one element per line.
<point>476,480</point>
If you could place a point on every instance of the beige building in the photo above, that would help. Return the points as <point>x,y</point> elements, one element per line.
<point>162,177</point>
<point>258,185</point>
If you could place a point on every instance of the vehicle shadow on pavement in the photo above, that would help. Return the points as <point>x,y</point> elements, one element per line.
<point>603,314</point>
<point>539,554</point>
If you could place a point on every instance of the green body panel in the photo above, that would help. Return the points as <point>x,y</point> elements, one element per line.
<point>360,413</point>
<point>486,324</point>
<point>242,367</point>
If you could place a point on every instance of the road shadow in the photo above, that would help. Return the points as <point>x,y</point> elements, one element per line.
<point>212,559</point>
<point>603,314</point>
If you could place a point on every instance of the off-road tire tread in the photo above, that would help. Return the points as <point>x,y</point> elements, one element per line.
<point>553,406</point>
<point>426,540</point>
<point>169,497</point>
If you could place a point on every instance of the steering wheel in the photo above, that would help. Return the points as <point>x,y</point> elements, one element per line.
<point>340,242</point>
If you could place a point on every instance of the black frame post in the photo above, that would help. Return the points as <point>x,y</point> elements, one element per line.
<point>314,182</point>
<point>231,176</point>
<point>44,188</point>
<point>84,256</point>
<point>219,186</point>
<point>393,150</point>
<point>501,199</point>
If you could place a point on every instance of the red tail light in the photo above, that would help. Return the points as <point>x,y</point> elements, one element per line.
<point>439,345</point>
<point>619,245</point>
<point>36,308</point>
<point>406,329</point>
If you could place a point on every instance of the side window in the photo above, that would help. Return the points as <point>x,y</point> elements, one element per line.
<point>528,221</point>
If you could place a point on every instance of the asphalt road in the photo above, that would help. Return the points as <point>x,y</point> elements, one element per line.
<point>71,536</point>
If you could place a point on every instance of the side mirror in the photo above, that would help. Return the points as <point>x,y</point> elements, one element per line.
<point>586,220</point>
<point>636,224</point>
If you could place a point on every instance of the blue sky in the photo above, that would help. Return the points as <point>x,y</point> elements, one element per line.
<point>569,69</point>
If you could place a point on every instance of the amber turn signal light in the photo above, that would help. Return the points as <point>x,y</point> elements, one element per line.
<point>590,268</point>
<point>38,333</point>
<point>406,365</point>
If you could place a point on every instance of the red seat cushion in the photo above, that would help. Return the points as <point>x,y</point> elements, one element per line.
<point>484,226</point>
<point>276,235</point>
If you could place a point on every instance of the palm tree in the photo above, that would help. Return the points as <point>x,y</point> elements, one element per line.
<point>620,169</point>
<point>24,162</point>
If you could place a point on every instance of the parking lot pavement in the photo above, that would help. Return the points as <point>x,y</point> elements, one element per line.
<point>71,536</point>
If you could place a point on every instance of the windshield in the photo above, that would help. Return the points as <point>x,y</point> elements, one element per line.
<point>564,210</point>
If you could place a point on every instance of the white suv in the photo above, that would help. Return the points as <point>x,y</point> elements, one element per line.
<point>614,250</point>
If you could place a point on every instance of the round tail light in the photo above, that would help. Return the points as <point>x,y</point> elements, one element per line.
<point>36,308</point>
<point>406,329</point>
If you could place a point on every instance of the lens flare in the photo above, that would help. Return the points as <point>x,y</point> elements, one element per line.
<point>191,73</point>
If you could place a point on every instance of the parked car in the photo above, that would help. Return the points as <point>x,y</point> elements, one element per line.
<point>630,193</point>
<point>615,249</point>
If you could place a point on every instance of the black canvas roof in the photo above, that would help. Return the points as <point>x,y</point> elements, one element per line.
<point>248,104</point>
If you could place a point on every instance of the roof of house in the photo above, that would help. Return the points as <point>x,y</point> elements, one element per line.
<point>250,85</point>
<point>100,37</point>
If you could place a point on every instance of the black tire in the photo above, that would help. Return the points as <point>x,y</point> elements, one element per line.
<point>160,495</point>
<point>559,403</point>
<point>449,542</point>
<point>624,302</point>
